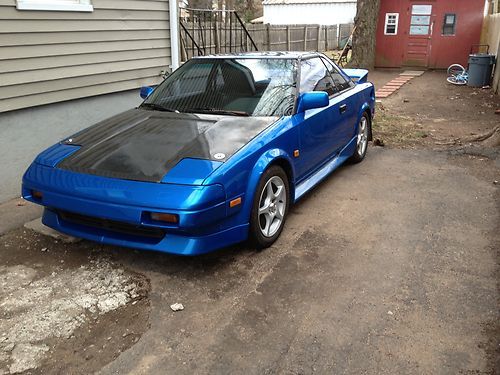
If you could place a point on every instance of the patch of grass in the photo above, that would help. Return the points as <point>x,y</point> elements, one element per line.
<point>397,130</point>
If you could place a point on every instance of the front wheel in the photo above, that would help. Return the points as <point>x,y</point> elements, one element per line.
<point>456,80</point>
<point>270,207</point>
<point>361,139</point>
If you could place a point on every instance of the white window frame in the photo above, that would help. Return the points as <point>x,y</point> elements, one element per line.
<point>387,15</point>
<point>56,5</point>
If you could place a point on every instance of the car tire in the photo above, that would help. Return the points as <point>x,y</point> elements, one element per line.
<point>270,207</point>
<point>362,136</point>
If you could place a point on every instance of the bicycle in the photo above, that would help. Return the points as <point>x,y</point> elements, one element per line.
<point>457,75</point>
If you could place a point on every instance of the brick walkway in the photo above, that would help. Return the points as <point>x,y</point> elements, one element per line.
<point>395,84</point>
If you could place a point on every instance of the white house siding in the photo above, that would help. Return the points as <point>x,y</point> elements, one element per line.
<point>283,12</point>
<point>48,56</point>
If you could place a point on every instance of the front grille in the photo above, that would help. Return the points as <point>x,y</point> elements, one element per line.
<point>112,225</point>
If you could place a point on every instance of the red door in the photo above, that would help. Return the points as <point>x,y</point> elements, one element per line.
<point>417,49</point>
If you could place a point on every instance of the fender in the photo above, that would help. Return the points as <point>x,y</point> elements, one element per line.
<point>265,160</point>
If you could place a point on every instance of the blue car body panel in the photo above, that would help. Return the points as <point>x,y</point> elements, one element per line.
<point>199,191</point>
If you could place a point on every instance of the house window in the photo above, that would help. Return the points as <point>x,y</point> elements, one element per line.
<point>450,20</point>
<point>420,22</point>
<point>55,5</point>
<point>391,23</point>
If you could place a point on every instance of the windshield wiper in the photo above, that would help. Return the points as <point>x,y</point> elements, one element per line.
<point>216,111</point>
<point>157,107</point>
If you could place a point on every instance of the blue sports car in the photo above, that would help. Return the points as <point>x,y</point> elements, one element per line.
<point>213,156</point>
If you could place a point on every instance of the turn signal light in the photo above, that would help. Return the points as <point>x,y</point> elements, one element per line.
<point>235,202</point>
<point>37,194</point>
<point>167,218</point>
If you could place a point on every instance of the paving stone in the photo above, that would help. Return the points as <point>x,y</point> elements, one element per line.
<point>413,73</point>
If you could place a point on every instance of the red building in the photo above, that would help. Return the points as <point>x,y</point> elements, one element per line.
<point>431,33</point>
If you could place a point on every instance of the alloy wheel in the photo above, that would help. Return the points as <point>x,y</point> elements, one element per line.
<point>362,141</point>
<point>272,206</point>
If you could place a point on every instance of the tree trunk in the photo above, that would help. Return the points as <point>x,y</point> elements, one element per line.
<point>363,43</point>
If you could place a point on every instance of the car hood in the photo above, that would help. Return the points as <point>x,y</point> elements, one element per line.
<point>145,145</point>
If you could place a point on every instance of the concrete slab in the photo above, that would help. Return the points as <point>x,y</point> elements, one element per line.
<point>413,73</point>
<point>37,226</point>
<point>16,212</point>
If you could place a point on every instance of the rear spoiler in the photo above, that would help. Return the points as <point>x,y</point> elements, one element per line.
<point>357,75</point>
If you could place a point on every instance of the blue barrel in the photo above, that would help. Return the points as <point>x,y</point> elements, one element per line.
<point>480,69</point>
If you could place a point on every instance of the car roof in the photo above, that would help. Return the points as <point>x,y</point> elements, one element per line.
<point>262,55</point>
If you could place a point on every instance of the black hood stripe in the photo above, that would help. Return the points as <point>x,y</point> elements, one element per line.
<point>144,145</point>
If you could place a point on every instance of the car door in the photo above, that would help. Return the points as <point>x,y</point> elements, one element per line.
<point>319,128</point>
<point>348,103</point>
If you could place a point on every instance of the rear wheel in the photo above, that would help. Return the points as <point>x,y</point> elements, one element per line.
<point>361,139</point>
<point>455,70</point>
<point>270,207</point>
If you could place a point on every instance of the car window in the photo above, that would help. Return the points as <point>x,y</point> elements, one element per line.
<point>191,81</point>
<point>237,86</point>
<point>340,81</point>
<point>315,77</point>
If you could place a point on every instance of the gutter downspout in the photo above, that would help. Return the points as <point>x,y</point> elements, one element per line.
<point>174,34</point>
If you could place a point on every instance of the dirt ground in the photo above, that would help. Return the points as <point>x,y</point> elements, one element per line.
<point>429,114</point>
<point>389,266</point>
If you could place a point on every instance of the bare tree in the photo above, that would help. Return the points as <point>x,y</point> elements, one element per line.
<point>363,43</point>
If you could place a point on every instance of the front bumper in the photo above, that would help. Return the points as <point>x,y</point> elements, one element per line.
<point>172,243</point>
<point>107,207</point>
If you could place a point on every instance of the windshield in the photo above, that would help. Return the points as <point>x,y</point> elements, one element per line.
<point>246,87</point>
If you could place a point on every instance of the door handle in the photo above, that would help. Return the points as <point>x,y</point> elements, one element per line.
<point>343,108</point>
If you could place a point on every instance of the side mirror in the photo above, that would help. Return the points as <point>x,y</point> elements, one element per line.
<point>146,91</point>
<point>311,100</point>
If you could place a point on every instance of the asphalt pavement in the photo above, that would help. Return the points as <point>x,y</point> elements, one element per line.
<point>389,266</point>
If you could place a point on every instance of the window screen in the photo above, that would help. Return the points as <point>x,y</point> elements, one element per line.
<point>449,24</point>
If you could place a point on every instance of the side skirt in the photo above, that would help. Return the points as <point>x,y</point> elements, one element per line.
<point>325,170</point>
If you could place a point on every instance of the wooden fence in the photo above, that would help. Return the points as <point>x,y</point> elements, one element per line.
<point>299,37</point>
<point>491,36</point>
<point>207,33</point>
